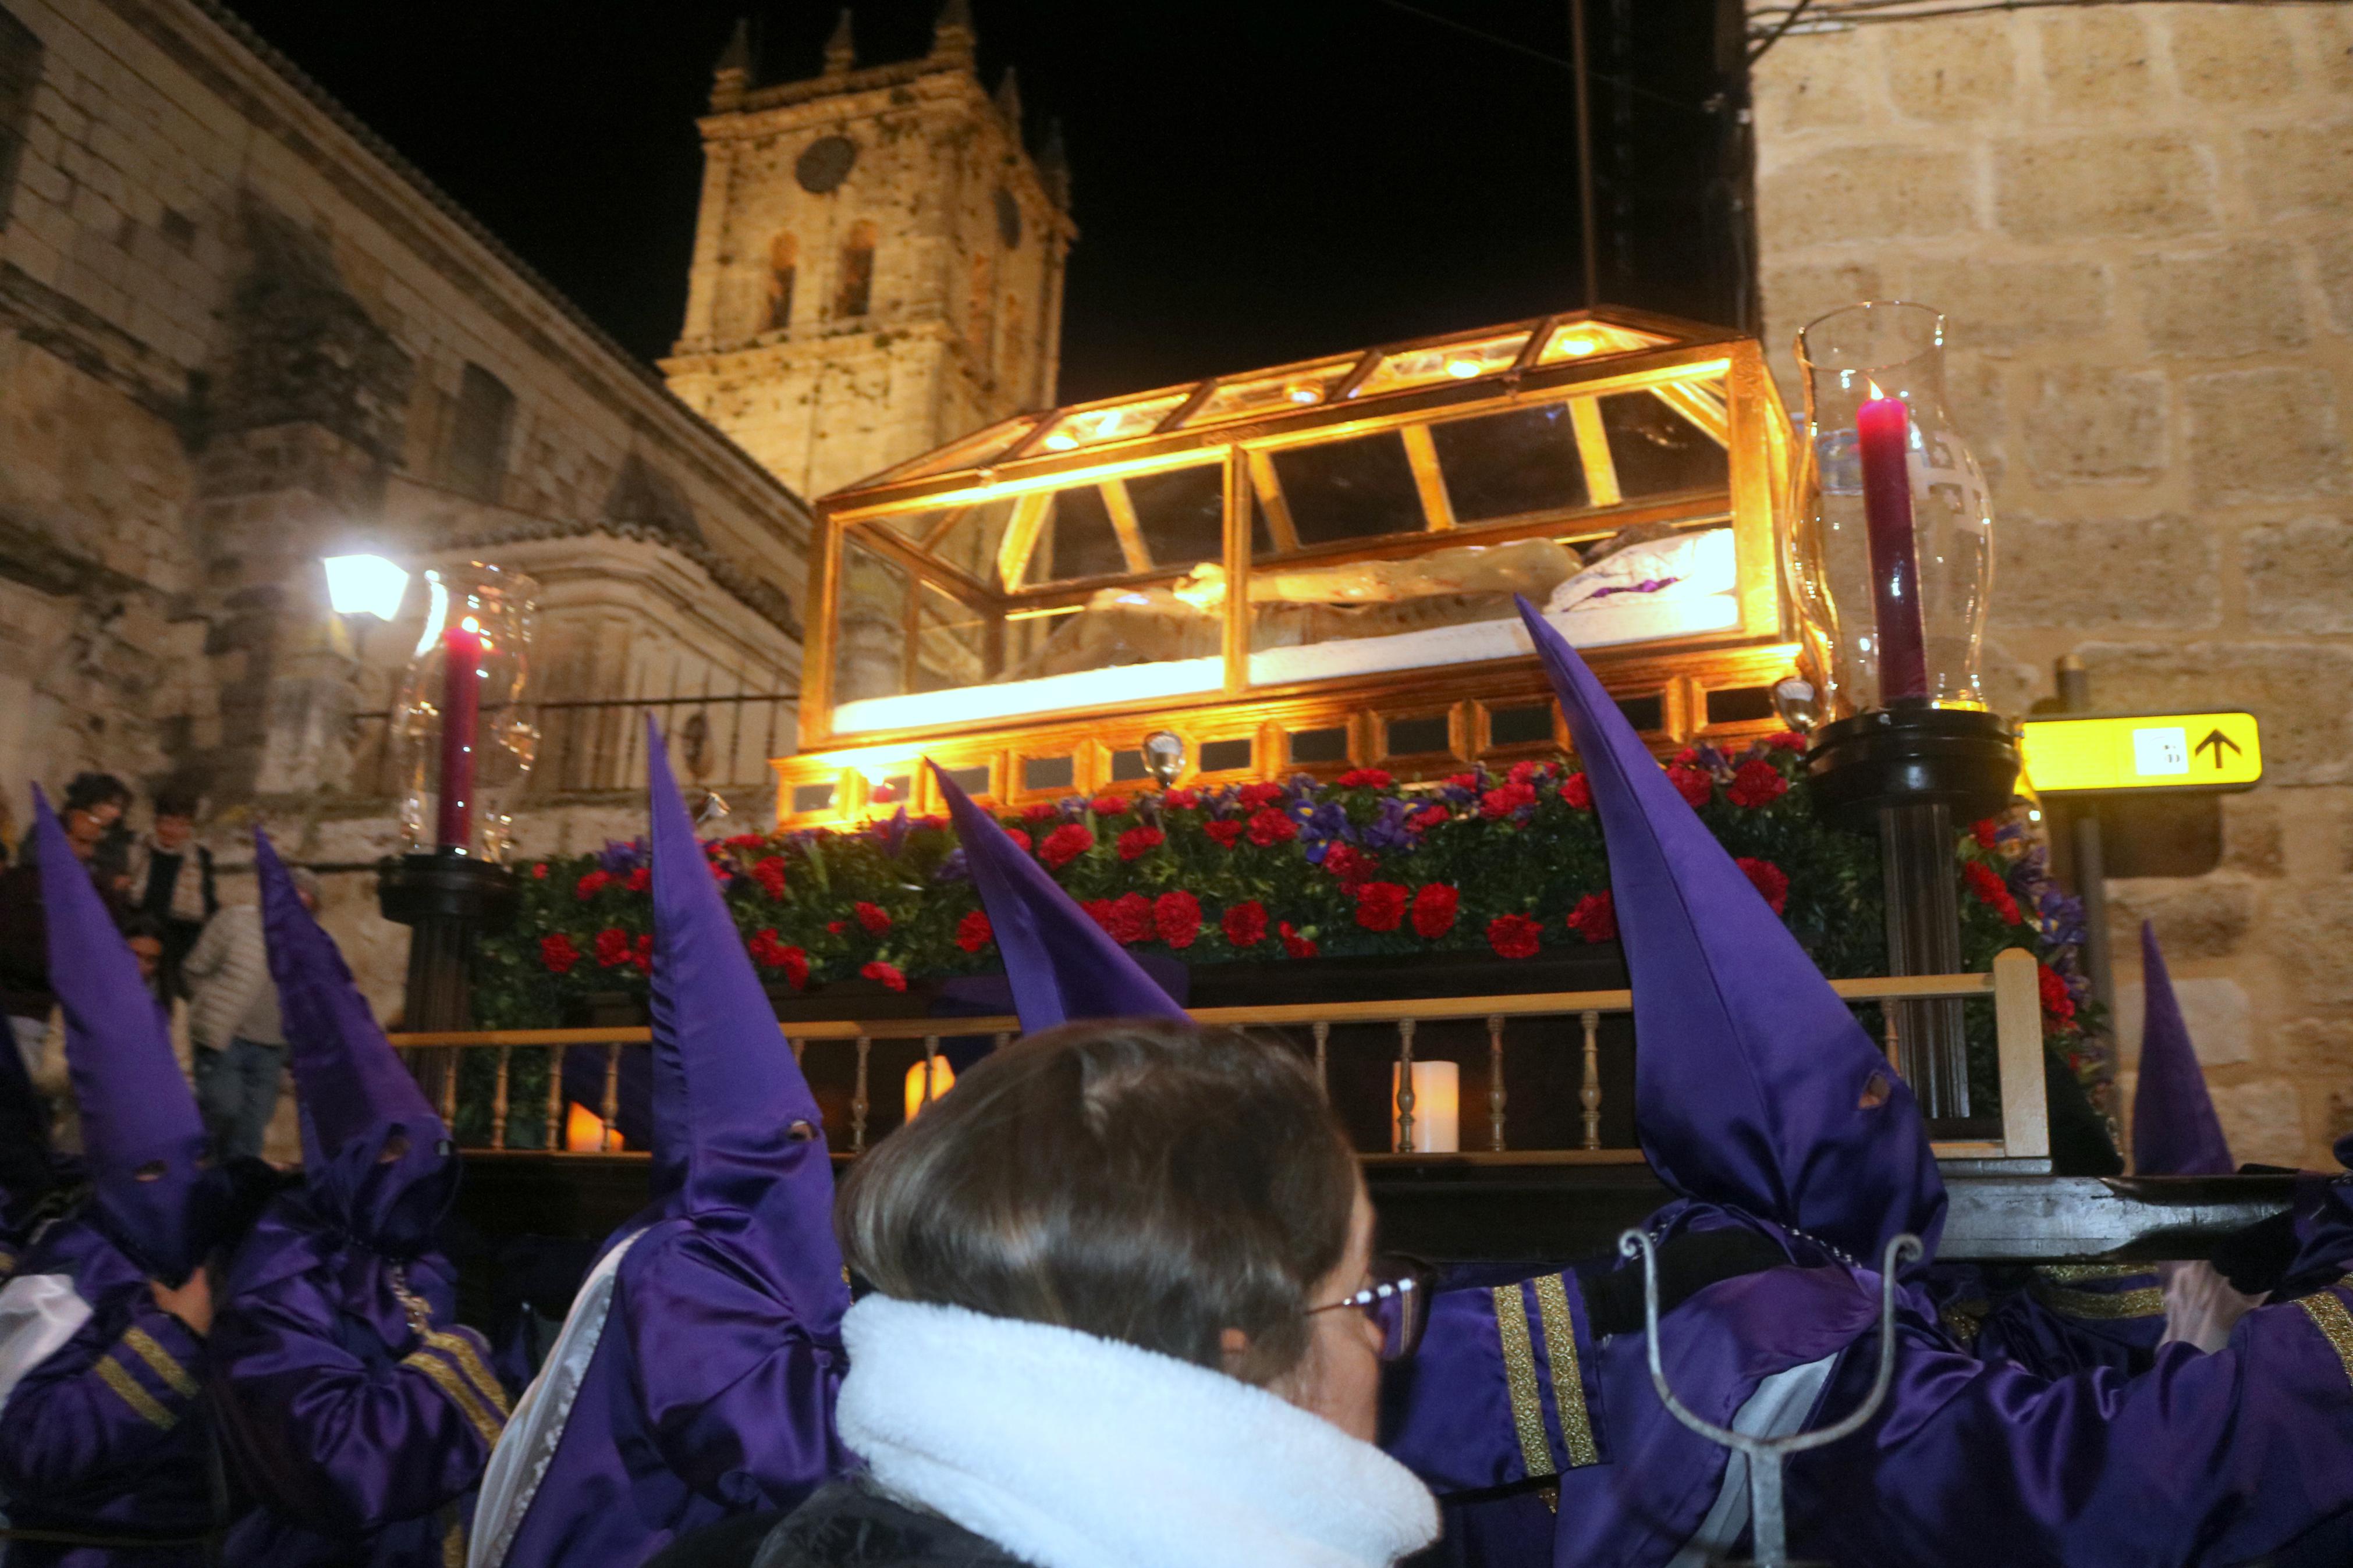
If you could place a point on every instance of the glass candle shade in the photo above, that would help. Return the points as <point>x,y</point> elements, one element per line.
<point>1892,548</point>
<point>466,743</point>
<point>1437,1108</point>
<point>921,1092</point>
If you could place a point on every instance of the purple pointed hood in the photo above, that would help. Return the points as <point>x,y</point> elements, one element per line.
<point>1755,1087</point>
<point>154,1192</point>
<point>754,1156</point>
<point>1063,966</point>
<point>2175,1132</point>
<point>376,1160</point>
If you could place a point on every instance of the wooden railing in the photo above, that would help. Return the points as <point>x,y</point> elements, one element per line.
<point>522,1071</point>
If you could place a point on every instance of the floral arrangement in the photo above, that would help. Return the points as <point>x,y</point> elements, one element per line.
<point>1506,863</point>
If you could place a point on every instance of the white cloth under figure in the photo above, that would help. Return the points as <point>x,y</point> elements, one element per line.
<point>1070,1451</point>
<point>1683,566</point>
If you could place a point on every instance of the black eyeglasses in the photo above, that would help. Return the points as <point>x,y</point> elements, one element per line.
<point>1398,1302</point>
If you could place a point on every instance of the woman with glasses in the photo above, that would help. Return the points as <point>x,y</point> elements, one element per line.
<point>1125,1309</point>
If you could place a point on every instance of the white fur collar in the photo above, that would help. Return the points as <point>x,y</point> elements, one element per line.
<point>1070,1451</point>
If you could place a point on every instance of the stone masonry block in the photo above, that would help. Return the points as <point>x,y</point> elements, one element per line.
<point>2252,845</point>
<point>2148,572</point>
<point>2299,575</point>
<point>1824,86</point>
<point>2095,424</point>
<point>2230,56</point>
<point>2296,170</point>
<point>1795,296</point>
<point>2139,183</point>
<point>2004,305</point>
<point>2317,1046</point>
<point>2332,261</point>
<point>1868,194</point>
<point>2202,918</point>
<point>2097,59</point>
<point>2301,693</point>
<point>2242,300</point>
<point>2263,1122</point>
<point>2219,1016</point>
<point>2304,929</point>
<point>2332,42</point>
<point>1959,70</point>
<point>2266,435</point>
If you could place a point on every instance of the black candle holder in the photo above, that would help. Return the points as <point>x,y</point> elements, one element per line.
<point>1909,771</point>
<point>448,900</point>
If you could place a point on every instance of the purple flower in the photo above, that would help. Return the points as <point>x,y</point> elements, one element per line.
<point>1388,832</point>
<point>618,859</point>
<point>893,833</point>
<point>953,867</point>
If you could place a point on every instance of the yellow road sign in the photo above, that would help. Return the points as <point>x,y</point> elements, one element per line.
<point>2158,751</point>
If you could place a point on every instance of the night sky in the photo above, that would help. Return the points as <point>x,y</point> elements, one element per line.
<point>1255,181</point>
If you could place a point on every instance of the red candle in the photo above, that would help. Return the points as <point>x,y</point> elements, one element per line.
<point>1881,428</point>
<point>461,703</point>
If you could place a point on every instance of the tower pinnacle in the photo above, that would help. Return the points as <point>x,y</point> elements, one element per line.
<point>731,73</point>
<point>953,33</point>
<point>841,49</point>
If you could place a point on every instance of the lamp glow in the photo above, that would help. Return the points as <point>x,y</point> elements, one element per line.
<point>943,1080</point>
<point>1462,369</point>
<point>585,1131</point>
<point>365,585</point>
<point>1060,441</point>
<point>1437,1108</point>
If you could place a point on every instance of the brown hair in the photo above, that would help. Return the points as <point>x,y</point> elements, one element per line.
<point>1134,1180</point>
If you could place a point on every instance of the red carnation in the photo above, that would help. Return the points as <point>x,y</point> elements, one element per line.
<point>1225,834</point>
<point>1786,741</point>
<point>1349,865</point>
<point>1176,916</point>
<point>2055,999</point>
<point>1756,783</point>
<point>1427,818</point>
<point>1578,790</point>
<point>769,872</point>
<point>1526,773</point>
<point>1255,795</point>
<point>1767,878</point>
<point>1245,923</point>
<point>1296,945</point>
<point>1366,778</point>
<point>745,841</point>
<point>1021,839</point>
<point>1039,812</point>
<point>540,871</point>
<point>642,955</point>
<point>558,954</point>
<point>1138,841</point>
<point>770,953</point>
<point>612,947</point>
<point>1434,909</point>
<point>1066,844</point>
<point>1380,906</point>
<point>1128,917</point>
<point>1506,799</point>
<point>1464,781</point>
<point>1180,800</point>
<point>873,916</point>
<point>1515,936</point>
<point>1990,891</point>
<point>1268,826</point>
<point>1695,785</point>
<point>639,879</point>
<point>973,931</point>
<point>589,886</point>
<point>1107,804</point>
<point>1985,830</point>
<point>888,973</point>
<point>1595,917</point>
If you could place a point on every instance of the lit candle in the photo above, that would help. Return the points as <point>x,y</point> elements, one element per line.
<point>919,1092</point>
<point>585,1131</point>
<point>461,703</point>
<point>1882,431</point>
<point>1437,1108</point>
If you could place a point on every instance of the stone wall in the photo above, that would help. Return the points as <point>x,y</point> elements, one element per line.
<point>2139,218</point>
<point>236,333</point>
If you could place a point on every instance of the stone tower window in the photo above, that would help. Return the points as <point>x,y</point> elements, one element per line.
<point>980,315</point>
<point>477,459</point>
<point>20,72</point>
<point>784,254</point>
<point>1015,357</point>
<point>855,290</point>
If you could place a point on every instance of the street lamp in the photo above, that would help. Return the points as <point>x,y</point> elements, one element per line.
<point>365,585</point>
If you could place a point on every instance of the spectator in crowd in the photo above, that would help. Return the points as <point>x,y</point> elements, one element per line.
<point>93,805</point>
<point>172,880</point>
<point>1099,1221</point>
<point>240,1045</point>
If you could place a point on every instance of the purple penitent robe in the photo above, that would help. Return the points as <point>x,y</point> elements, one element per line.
<point>695,1376</point>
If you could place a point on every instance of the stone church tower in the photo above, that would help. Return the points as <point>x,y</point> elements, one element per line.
<point>878,266</point>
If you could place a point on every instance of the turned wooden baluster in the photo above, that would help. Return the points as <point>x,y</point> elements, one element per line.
<point>1322,1039</point>
<point>612,1103</point>
<point>1591,1094</point>
<point>1405,1086</point>
<point>1495,1082</point>
<point>858,1099</point>
<point>554,1141</point>
<point>499,1099</point>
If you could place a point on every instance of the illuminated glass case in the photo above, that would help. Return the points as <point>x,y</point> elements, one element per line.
<point>1305,568</point>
